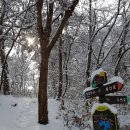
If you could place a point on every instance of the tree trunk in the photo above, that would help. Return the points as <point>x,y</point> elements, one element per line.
<point>89,45</point>
<point>4,77</point>
<point>42,94</point>
<point>122,48</point>
<point>60,69</point>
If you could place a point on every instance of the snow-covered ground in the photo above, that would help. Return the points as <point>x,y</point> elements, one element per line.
<point>21,114</point>
<point>24,115</point>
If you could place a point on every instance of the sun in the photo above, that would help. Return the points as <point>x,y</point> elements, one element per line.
<point>30,40</point>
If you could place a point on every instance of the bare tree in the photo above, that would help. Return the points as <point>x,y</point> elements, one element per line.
<point>47,43</point>
<point>10,30</point>
<point>122,47</point>
<point>4,77</point>
<point>96,28</point>
<point>60,69</point>
<point>89,44</point>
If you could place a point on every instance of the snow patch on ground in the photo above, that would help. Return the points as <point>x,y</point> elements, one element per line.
<point>21,114</point>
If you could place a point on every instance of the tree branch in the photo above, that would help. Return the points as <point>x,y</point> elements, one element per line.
<point>109,30</point>
<point>19,14</point>
<point>48,27</point>
<point>119,59</point>
<point>6,57</point>
<point>68,13</point>
<point>39,6</point>
<point>111,48</point>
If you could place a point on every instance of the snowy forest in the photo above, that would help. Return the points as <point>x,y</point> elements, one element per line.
<point>48,52</point>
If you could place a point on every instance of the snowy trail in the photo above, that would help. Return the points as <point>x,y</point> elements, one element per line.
<point>27,116</point>
<point>24,115</point>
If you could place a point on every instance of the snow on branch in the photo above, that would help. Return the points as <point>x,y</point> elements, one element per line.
<point>65,18</point>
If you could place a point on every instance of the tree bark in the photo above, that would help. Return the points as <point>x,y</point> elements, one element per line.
<point>89,45</point>
<point>60,69</point>
<point>4,78</point>
<point>42,93</point>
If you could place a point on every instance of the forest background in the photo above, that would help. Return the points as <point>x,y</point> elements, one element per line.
<point>50,48</point>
